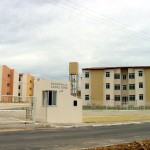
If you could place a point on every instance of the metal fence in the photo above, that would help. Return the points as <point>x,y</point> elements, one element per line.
<point>17,109</point>
<point>95,106</point>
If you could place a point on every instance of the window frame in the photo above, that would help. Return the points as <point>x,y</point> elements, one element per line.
<point>124,87</point>
<point>8,75</point>
<point>47,100</point>
<point>107,85</point>
<point>141,97</point>
<point>140,73</point>
<point>132,97</point>
<point>107,74</point>
<point>124,77</point>
<point>117,86</point>
<point>140,85</point>
<point>131,75</point>
<point>8,84</point>
<point>107,97</point>
<point>87,74</point>
<point>117,97</point>
<point>117,76</point>
<point>131,86</point>
<point>75,103</point>
<point>86,97</point>
<point>87,86</point>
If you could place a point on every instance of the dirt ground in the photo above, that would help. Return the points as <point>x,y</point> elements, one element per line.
<point>136,145</point>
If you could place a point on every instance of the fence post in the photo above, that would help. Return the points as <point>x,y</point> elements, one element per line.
<point>34,110</point>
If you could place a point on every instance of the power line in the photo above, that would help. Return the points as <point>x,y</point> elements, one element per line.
<point>112,20</point>
<point>105,20</point>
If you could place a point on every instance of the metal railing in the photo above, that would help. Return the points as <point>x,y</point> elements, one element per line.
<point>95,106</point>
<point>17,109</point>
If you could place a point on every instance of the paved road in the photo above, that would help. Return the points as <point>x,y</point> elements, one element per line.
<point>73,138</point>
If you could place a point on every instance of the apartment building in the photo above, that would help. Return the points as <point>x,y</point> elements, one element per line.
<point>8,82</point>
<point>26,84</point>
<point>110,86</point>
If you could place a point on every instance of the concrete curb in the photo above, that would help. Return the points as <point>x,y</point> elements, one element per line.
<point>40,126</point>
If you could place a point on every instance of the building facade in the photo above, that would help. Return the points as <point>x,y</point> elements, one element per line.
<point>111,86</point>
<point>8,82</point>
<point>14,84</point>
<point>26,84</point>
<point>54,103</point>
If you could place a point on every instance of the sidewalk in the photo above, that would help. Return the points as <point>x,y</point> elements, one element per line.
<point>38,126</point>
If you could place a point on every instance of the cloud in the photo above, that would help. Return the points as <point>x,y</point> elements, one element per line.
<point>41,37</point>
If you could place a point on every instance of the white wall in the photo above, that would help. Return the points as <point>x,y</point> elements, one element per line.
<point>1,71</point>
<point>64,111</point>
<point>15,83</point>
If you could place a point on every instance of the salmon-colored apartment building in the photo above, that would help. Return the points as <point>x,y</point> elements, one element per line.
<point>8,82</point>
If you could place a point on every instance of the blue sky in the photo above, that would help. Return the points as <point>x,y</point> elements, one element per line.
<point>41,37</point>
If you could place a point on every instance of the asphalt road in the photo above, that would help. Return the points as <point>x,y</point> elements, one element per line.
<point>73,138</point>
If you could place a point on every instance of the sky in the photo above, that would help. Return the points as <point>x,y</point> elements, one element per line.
<point>41,37</point>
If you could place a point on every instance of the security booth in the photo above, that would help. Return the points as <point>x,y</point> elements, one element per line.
<point>55,104</point>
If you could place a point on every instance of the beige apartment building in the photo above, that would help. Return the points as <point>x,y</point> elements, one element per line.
<point>112,86</point>
<point>26,84</point>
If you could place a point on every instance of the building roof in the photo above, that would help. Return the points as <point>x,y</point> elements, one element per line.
<point>121,67</point>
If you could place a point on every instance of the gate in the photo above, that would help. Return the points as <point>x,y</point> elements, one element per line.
<point>17,109</point>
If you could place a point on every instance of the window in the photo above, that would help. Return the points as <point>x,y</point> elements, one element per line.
<point>30,81</point>
<point>131,75</point>
<point>132,97</point>
<point>132,86</point>
<point>140,84</point>
<point>107,97</point>
<point>117,97</point>
<point>8,75</point>
<point>18,94</point>
<point>140,73</point>
<point>107,85</point>
<point>117,86</point>
<point>87,75</point>
<point>124,77</point>
<point>86,85</point>
<point>124,87</point>
<point>19,78</point>
<point>18,86</point>
<point>117,76</point>
<point>107,74</point>
<point>125,98</point>
<point>86,97</point>
<point>49,98</point>
<point>8,84</point>
<point>140,96</point>
<point>8,93</point>
<point>75,103</point>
